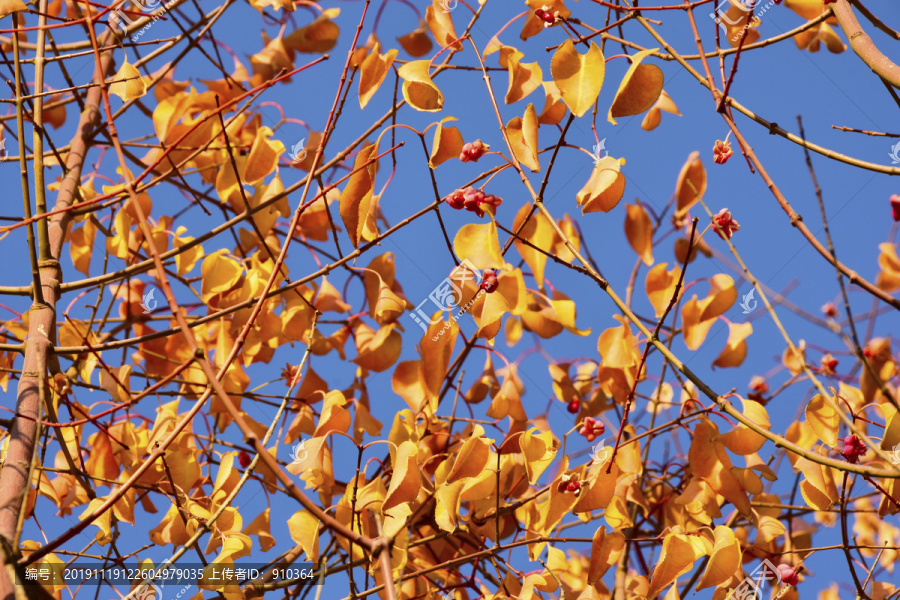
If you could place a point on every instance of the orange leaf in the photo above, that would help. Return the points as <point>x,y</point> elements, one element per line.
<point>448,143</point>
<point>478,243</point>
<point>523,137</point>
<point>691,183</point>
<point>357,196</point>
<point>639,89</point>
<point>441,25</point>
<point>660,286</point>
<point>318,37</point>
<point>406,479</point>
<point>372,73</point>
<point>605,188</point>
<point>639,232</point>
<point>416,43</point>
<point>735,350</point>
<point>418,89</point>
<point>823,419</point>
<point>677,558</point>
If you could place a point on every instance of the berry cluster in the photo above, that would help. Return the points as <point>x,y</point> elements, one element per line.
<point>549,18</point>
<point>592,429</point>
<point>472,151</point>
<point>473,200</point>
<point>853,449</point>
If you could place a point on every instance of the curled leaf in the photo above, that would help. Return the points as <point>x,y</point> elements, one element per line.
<point>639,89</point>
<point>418,89</point>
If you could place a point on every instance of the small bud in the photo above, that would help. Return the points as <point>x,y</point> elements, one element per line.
<point>829,310</point>
<point>895,207</point>
<point>244,459</point>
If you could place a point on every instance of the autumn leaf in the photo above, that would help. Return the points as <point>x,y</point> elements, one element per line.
<point>823,419</point>
<point>654,115</point>
<point>639,89</point>
<point>447,143</point>
<point>605,188</point>
<point>372,72</point>
<point>478,243</point>
<point>416,43</point>
<point>523,137</point>
<point>691,184</point>
<point>579,77</point>
<point>418,89</point>
<point>357,195</point>
<point>639,231</point>
<point>127,83</point>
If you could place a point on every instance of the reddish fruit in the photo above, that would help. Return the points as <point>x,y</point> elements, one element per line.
<point>561,487</point>
<point>827,2</point>
<point>288,373</point>
<point>592,429</point>
<point>574,406</point>
<point>489,281</point>
<point>472,198</point>
<point>758,385</point>
<point>722,152</point>
<point>853,449</point>
<point>788,574</point>
<point>725,226</point>
<point>895,207</point>
<point>472,151</point>
<point>455,200</point>
<point>573,486</point>
<point>244,459</point>
<point>829,364</point>
<point>829,310</point>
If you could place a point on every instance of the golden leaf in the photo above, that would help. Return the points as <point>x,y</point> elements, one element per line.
<point>639,232</point>
<point>523,137</point>
<point>418,89</point>
<point>639,89</point>
<point>579,77</point>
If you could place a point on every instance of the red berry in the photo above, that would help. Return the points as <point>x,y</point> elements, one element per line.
<point>244,459</point>
<point>472,151</point>
<point>853,448</point>
<point>788,574</point>
<point>455,200</point>
<point>829,364</point>
<point>829,310</point>
<point>574,406</point>
<point>592,429</point>
<point>489,281</point>
<point>573,486</point>
<point>895,207</point>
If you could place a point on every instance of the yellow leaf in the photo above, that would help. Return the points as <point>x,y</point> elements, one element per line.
<point>406,479</point>
<point>676,559</point>
<point>81,246</point>
<point>578,77</point>
<point>724,561</point>
<point>319,36</point>
<point>127,83</point>
<point>735,350</point>
<point>533,25</point>
<point>709,460</point>
<point>698,317</point>
<point>639,89</point>
<point>808,9</point>
<point>304,530</point>
<point>524,78</point>
<point>7,7</point>
<point>660,286</point>
<point>478,243</point>
<point>639,232</point>
<point>418,88</point>
<point>357,196</point>
<point>448,143</point>
<point>743,440</point>
<point>823,419</point>
<point>691,183</point>
<point>606,549</point>
<point>416,43</point>
<point>186,260</point>
<point>654,116</point>
<point>372,73</point>
<point>538,450</point>
<point>377,351</point>
<point>539,233</point>
<point>523,137</point>
<point>260,528</point>
<point>221,273</point>
<point>554,108</point>
<point>605,188</point>
<point>441,25</point>
<point>263,157</point>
